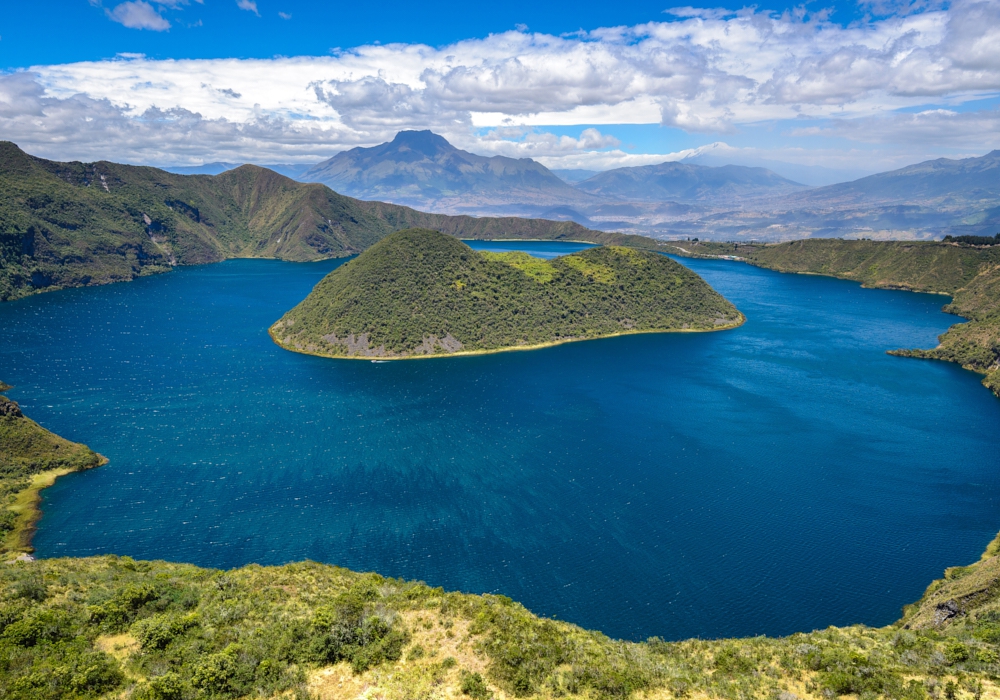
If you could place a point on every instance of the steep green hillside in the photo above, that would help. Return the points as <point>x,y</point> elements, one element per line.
<point>421,292</point>
<point>74,224</point>
<point>31,458</point>
<point>116,628</point>
<point>970,274</point>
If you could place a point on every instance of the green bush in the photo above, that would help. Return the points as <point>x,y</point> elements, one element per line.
<point>474,686</point>
<point>169,686</point>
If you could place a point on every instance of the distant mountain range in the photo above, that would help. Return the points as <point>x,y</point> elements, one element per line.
<point>681,182</point>
<point>943,180</point>
<point>927,200</point>
<point>700,196</point>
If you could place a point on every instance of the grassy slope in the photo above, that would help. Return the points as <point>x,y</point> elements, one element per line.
<point>114,627</point>
<point>30,458</point>
<point>971,275</point>
<point>417,287</point>
<point>74,224</point>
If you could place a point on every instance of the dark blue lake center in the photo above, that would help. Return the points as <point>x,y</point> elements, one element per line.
<point>783,476</point>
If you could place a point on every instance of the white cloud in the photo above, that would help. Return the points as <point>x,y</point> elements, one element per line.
<point>285,15</point>
<point>138,14</point>
<point>248,5</point>
<point>709,71</point>
<point>942,127</point>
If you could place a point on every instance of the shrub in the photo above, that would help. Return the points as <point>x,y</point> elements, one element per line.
<point>38,626</point>
<point>158,631</point>
<point>169,686</point>
<point>956,652</point>
<point>474,686</point>
<point>114,615</point>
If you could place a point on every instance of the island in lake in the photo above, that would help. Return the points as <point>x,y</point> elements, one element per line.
<point>419,293</point>
<point>113,627</point>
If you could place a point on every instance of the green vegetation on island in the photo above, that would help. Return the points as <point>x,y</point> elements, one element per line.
<point>112,627</point>
<point>77,224</point>
<point>969,272</point>
<point>31,458</point>
<point>419,292</point>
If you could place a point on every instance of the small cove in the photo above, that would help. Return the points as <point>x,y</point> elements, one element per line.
<point>779,477</point>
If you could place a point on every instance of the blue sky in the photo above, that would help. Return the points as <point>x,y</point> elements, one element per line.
<point>65,31</point>
<point>848,87</point>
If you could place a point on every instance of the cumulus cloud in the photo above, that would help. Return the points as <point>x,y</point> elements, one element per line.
<point>248,5</point>
<point>708,71</point>
<point>138,14</point>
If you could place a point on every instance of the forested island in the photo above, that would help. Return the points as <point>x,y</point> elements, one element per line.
<point>421,293</point>
<point>966,270</point>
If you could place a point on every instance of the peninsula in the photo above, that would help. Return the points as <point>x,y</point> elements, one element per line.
<point>421,293</point>
<point>31,459</point>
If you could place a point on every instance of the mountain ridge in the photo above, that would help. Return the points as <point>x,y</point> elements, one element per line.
<point>421,167</point>
<point>76,224</point>
<point>685,182</point>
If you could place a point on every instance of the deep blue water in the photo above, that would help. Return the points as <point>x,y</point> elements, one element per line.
<point>783,476</point>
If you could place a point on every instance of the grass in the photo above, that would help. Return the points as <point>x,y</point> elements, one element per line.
<point>537,269</point>
<point>423,293</point>
<point>114,627</point>
<point>970,274</point>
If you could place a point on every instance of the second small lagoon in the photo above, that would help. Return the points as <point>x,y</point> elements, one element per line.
<point>779,477</point>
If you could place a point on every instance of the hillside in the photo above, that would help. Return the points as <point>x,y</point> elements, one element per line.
<point>116,628</point>
<point>75,224</point>
<point>420,168</point>
<point>31,458</point>
<point>683,182</point>
<point>969,274</point>
<point>420,292</point>
<point>968,179</point>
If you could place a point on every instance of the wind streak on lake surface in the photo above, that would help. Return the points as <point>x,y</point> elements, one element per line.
<point>782,476</point>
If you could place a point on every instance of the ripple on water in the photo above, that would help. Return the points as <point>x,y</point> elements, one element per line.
<point>782,476</point>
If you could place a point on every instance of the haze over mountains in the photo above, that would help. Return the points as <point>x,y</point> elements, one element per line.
<point>681,182</point>
<point>423,170</point>
<point>672,199</point>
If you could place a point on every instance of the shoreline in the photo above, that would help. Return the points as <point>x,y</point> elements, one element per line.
<point>27,507</point>
<point>512,348</point>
